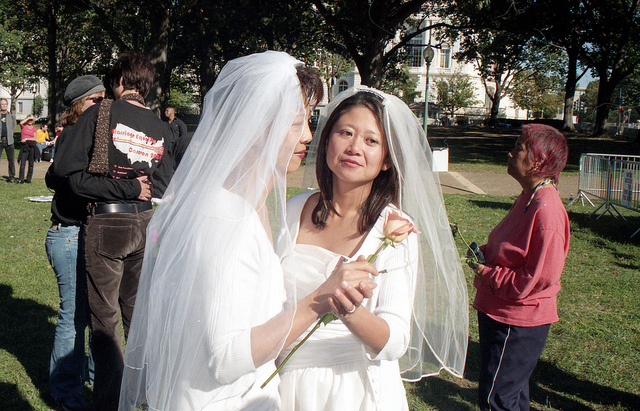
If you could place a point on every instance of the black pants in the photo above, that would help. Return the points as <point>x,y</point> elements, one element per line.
<point>10,158</point>
<point>508,355</point>
<point>27,153</point>
<point>114,249</point>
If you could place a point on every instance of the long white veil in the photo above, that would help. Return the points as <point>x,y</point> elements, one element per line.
<point>192,297</point>
<point>440,323</point>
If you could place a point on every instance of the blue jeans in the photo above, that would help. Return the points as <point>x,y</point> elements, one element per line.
<point>67,364</point>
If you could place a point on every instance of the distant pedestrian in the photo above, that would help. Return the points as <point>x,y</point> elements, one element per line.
<point>42,138</point>
<point>6,137</point>
<point>180,135</point>
<point>518,283</point>
<point>28,149</point>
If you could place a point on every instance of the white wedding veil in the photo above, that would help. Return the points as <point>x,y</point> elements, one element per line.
<point>440,323</point>
<point>210,273</point>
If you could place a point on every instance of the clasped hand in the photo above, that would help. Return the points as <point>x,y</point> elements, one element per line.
<point>348,286</point>
<point>145,188</point>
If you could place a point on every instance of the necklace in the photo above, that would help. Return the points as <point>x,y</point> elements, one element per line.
<point>538,187</point>
<point>133,96</point>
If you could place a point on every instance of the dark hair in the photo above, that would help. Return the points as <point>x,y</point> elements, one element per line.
<point>311,85</point>
<point>548,147</point>
<point>136,71</point>
<point>386,186</point>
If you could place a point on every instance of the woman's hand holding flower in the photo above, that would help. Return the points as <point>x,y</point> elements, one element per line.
<point>350,283</point>
<point>347,286</point>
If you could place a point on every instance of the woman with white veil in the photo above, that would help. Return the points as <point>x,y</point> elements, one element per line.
<point>369,159</point>
<point>210,315</point>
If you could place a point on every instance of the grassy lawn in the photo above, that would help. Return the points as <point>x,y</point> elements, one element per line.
<point>589,363</point>
<point>482,149</point>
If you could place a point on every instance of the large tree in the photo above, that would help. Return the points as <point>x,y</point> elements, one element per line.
<point>492,39</point>
<point>613,50</point>
<point>367,31</point>
<point>16,74</point>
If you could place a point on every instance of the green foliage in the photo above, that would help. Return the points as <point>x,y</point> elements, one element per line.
<point>38,105</point>
<point>536,92</point>
<point>17,70</point>
<point>401,82</point>
<point>331,66</point>
<point>629,90</point>
<point>590,100</point>
<point>181,101</point>
<point>454,92</point>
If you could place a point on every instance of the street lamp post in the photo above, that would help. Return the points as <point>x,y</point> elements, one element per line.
<point>427,54</point>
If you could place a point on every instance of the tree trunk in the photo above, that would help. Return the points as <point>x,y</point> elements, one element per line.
<point>570,91</point>
<point>495,101</point>
<point>372,64</point>
<point>159,15</point>
<point>14,93</point>
<point>207,71</point>
<point>602,112</point>
<point>52,75</point>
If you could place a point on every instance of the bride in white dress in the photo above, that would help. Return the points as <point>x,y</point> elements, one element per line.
<point>370,160</point>
<point>211,313</point>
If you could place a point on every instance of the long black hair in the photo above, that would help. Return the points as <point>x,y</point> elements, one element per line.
<point>386,186</point>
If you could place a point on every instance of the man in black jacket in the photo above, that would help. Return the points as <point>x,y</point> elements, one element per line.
<point>108,157</point>
<point>181,137</point>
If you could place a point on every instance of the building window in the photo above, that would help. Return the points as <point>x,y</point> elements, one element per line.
<point>416,51</point>
<point>342,86</point>
<point>19,107</point>
<point>445,56</point>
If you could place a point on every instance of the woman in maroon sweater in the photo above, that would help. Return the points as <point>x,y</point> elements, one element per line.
<point>519,278</point>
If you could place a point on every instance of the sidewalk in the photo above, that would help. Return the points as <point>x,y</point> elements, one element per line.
<point>451,182</point>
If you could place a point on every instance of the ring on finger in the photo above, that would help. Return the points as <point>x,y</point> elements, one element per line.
<point>352,309</point>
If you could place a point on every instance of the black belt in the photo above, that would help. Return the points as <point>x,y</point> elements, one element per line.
<point>121,208</point>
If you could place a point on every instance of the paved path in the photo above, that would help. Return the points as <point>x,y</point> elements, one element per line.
<point>451,182</point>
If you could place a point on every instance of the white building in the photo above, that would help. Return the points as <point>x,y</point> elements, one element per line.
<point>442,65</point>
<point>24,102</point>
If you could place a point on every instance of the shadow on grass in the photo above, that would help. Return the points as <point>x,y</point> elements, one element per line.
<point>607,226</point>
<point>555,388</point>
<point>549,387</point>
<point>11,399</point>
<point>27,335</point>
<point>494,204</point>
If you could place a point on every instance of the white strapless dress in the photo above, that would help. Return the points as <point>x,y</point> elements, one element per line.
<point>330,371</point>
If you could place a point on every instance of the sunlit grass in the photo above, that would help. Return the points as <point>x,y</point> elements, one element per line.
<point>589,363</point>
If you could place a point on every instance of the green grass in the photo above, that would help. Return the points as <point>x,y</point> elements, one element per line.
<point>481,149</point>
<point>589,363</point>
<point>591,356</point>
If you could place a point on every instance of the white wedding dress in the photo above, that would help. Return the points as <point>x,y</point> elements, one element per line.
<point>333,370</point>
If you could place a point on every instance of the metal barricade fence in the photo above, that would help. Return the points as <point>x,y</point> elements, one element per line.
<point>613,178</point>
